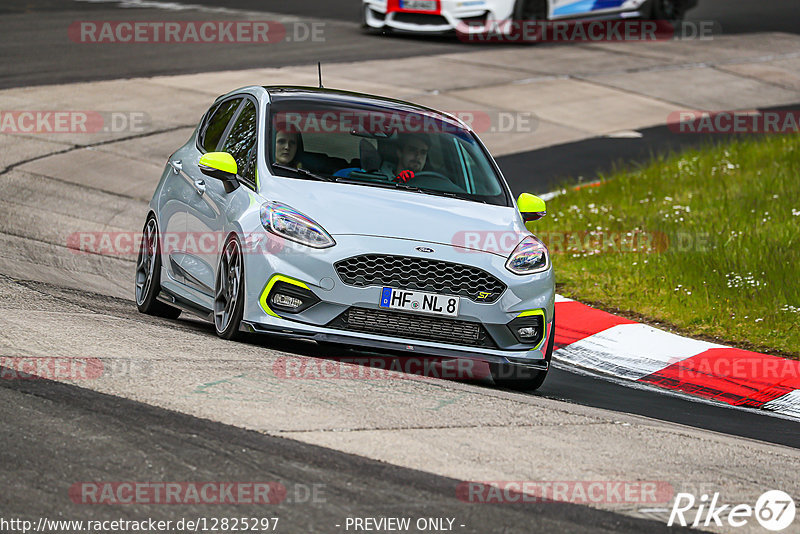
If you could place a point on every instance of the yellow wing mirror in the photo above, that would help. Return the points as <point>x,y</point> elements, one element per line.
<point>215,163</point>
<point>531,207</point>
<point>222,166</point>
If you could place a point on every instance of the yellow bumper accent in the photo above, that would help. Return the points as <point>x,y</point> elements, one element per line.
<point>530,313</point>
<point>276,278</point>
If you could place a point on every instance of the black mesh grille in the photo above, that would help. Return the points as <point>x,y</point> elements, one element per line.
<point>412,326</point>
<point>421,18</point>
<point>420,274</point>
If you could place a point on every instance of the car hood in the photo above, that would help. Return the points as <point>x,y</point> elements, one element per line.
<point>346,209</point>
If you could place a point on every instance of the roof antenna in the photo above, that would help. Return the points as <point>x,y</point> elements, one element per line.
<point>319,71</point>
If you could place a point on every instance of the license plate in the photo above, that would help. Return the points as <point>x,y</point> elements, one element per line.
<point>401,299</point>
<point>418,5</point>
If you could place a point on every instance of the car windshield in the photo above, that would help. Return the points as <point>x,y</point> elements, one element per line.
<point>405,149</point>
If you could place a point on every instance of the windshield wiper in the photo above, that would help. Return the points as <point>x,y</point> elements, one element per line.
<point>392,185</point>
<point>449,194</point>
<point>406,187</point>
<point>304,172</point>
<point>355,181</point>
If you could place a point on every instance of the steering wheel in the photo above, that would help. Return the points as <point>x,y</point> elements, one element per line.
<point>435,180</point>
<point>431,174</point>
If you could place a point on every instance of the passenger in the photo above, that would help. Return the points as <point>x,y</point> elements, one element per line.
<point>288,149</point>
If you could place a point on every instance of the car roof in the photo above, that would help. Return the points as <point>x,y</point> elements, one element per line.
<point>279,93</point>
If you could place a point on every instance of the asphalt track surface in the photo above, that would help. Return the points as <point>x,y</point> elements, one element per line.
<point>560,385</point>
<point>739,16</point>
<point>547,169</point>
<point>37,50</point>
<point>50,437</point>
<point>51,431</point>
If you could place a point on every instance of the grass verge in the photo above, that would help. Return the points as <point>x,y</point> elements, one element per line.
<point>707,241</point>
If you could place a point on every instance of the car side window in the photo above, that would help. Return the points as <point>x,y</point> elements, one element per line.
<point>215,126</point>
<point>241,142</point>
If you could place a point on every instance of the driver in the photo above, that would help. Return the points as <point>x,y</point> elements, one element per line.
<point>412,154</point>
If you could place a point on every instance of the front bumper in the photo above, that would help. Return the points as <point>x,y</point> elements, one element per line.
<point>408,346</point>
<point>315,270</point>
<point>452,16</point>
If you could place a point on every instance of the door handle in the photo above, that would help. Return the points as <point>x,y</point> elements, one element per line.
<point>200,186</point>
<point>176,165</point>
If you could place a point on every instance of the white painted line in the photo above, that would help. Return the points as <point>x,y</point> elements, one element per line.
<point>631,351</point>
<point>547,197</point>
<point>625,134</point>
<point>788,404</point>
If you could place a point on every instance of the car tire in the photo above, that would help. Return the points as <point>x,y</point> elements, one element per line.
<point>669,10</point>
<point>522,378</point>
<point>229,291</point>
<point>147,279</point>
<point>526,10</point>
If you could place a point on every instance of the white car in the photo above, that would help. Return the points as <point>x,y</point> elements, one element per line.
<point>444,16</point>
<point>350,219</point>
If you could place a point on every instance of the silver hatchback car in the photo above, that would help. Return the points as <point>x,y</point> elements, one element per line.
<point>352,220</point>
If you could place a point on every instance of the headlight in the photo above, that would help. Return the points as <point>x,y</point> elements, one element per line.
<point>529,257</point>
<point>293,225</point>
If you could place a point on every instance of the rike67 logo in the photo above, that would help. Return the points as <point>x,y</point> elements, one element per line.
<point>774,510</point>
